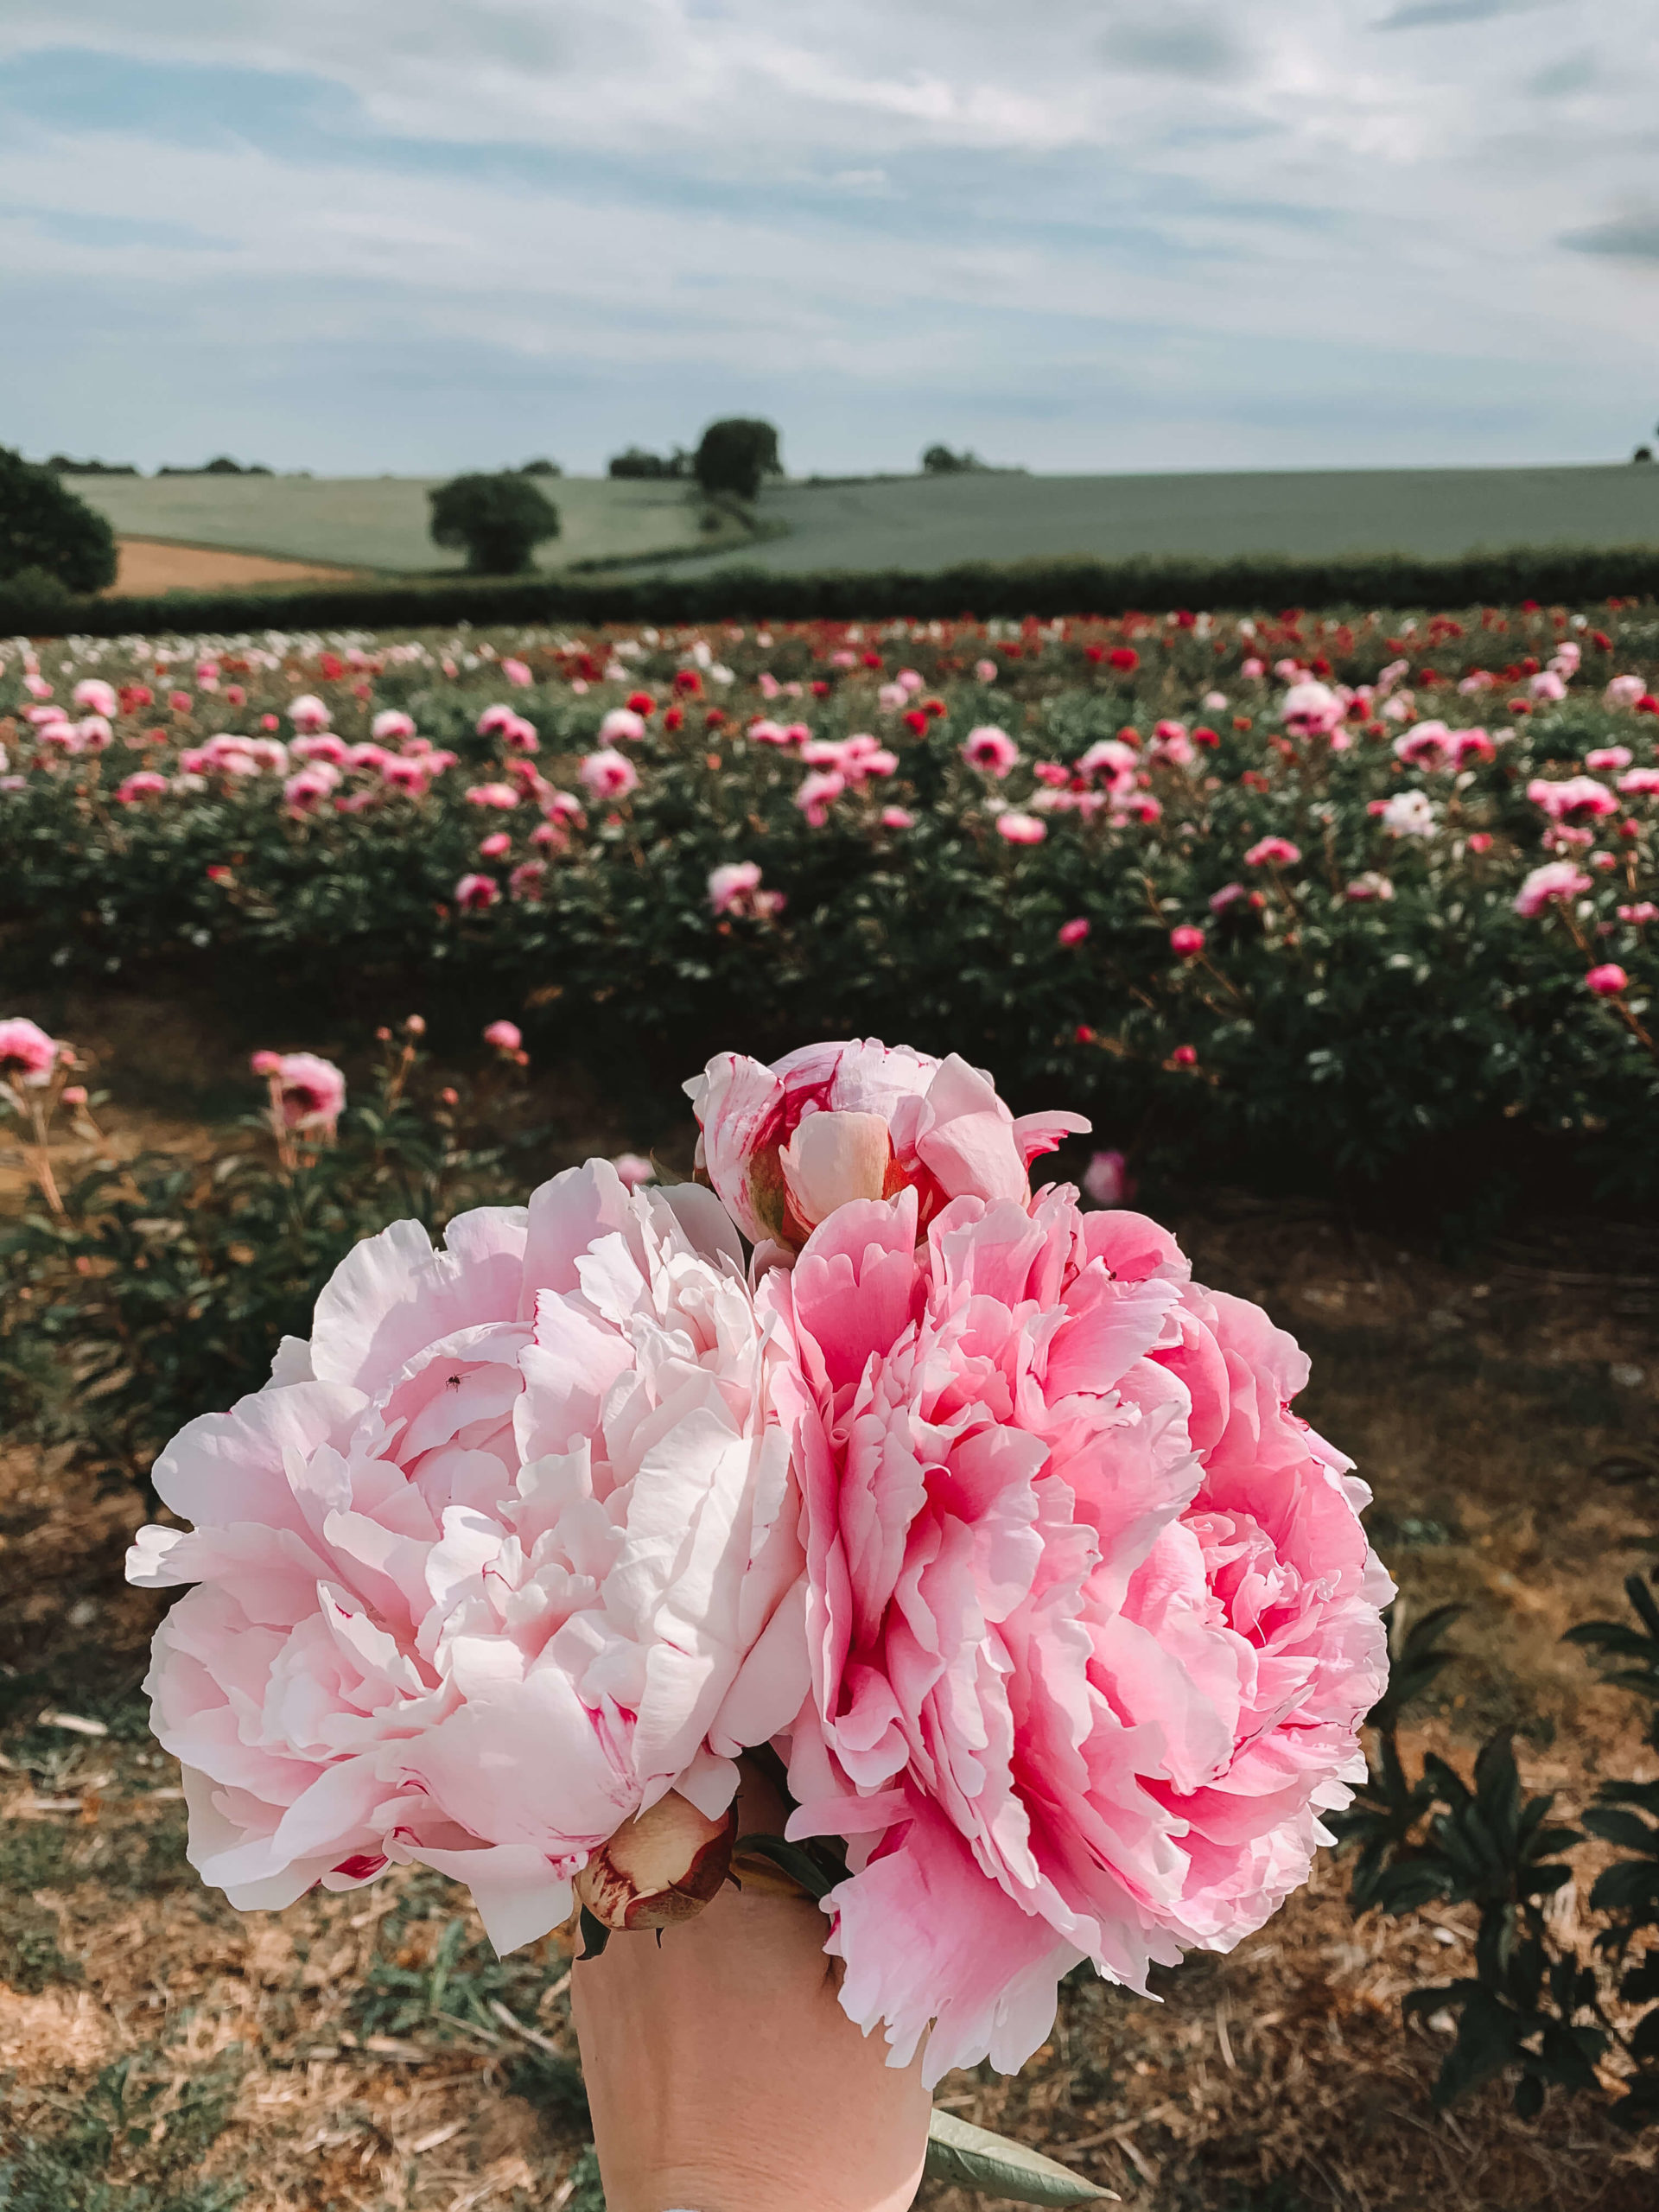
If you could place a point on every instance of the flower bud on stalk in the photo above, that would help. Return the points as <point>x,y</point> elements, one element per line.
<point>660,1868</point>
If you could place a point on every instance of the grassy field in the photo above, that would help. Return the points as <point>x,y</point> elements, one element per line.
<point>366,2050</point>
<point>380,522</point>
<point>924,523</point>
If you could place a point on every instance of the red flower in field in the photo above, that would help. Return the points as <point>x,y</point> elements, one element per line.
<point>332,666</point>
<point>688,680</point>
<point>641,703</point>
<point>714,719</point>
<point>1480,841</point>
<point>218,873</point>
<point>1095,653</point>
<point>1204,736</point>
<point>1647,704</point>
<point>936,707</point>
<point>1124,658</point>
<point>1184,1056</point>
<point>674,718</point>
<point>1083,1033</point>
<point>916,722</point>
<point>820,688</point>
<point>872,660</point>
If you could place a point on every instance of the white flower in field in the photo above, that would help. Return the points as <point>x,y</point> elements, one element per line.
<point>1409,814</point>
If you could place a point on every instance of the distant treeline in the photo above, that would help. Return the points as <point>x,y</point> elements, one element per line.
<point>1550,575</point>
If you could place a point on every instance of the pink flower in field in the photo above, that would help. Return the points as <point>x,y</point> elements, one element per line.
<point>633,1171</point>
<point>1310,709</point>
<point>1073,932</point>
<point>1136,806</point>
<point>784,1145</point>
<point>517,672</point>
<point>563,807</point>
<point>1480,841</point>
<point>1409,814</point>
<point>308,712</point>
<point>476,894</point>
<point>1554,880</point>
<point>1214,702</point>
<point>991,749</point>
<point>1607,758</point>
<point>526,880</point>
<point>265,1063</point>
<point>1640,782</point>
<point>1184,1056</point>
<point>911,680</point>
<point>492,847</point>
<point>305,790</point>
<point>390,725</point>
<point>1021,828</point>
<point>621,724</point>
<point>986,671</point>
<point>897,817</point>
<point>1219,901</point>
<point>404,773</point>
<point>1643,910</point>
<point>1625,691</point>
<point>1607,980</point>
<point>765,732</point>
<point>312,1090</point>
<point>732,887</point>
<point>436,1620</point>
<point>36,685</point>
<point>1431,745</point>
<point>1107,1180</point>
<point>1186,940</point>
<point>27,1055</point>
<point>501,796</point>
<point>324,745</point>
<point>1372,885</point>
<point>1171,745</point>
<point>369,756</point>
<point>1546,685</point>
<point>818,792</point>
<point>143,783</point>
<point>519,735</point>
<point>1577,798</point>
<point>608,773</point>
<point>1092,1617</point>
<point>1253,667</point>
<point>1272,851</point>
<point>97,696</point>
<point>890,698</point>
<point>494,718</point>
<point>506,1036</point>
<point>1566,656</point>
<point>96,735</point>
<point>1112,760</point>
<point>180,701</point>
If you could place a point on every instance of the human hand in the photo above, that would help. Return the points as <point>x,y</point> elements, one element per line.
<point>723,2074</point>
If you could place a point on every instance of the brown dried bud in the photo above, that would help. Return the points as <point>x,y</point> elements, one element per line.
<point>660,1868</point>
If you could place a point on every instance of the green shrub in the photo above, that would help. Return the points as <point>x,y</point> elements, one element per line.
<point>497,521</point>
<point>44,528</point>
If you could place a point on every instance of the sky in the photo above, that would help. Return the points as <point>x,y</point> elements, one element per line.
<point>415,236</point>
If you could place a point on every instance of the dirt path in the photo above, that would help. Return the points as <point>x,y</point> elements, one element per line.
<point>149,565</point>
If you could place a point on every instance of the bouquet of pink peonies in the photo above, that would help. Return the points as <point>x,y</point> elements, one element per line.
<point>965,1510</point>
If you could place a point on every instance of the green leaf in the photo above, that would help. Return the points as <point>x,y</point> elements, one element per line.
<point>595,1936</point>
<point>973,2158</point>
<point>790,1859</point>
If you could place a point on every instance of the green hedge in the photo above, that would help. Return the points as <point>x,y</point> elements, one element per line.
<point>1551,575</point>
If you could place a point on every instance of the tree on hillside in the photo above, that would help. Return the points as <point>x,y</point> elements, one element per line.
<point>939,461</point>
<point>541,466</point>
<point>497,521</point>
<point>635,462</point>
<point>44,526</point>
<point>735,454</point>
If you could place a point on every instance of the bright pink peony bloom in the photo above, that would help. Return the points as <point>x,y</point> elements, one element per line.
<point>143,783</point>
<point>1187,940</point>
<point>1279,850</point>
<point>517,671</point>
<point>1020,829</point>
<point>1624,690</point>
<point>1092,1618</point>
<point>608,773</point>
<point>506,1551</point>
<point>897,817</point>
<point>1312,709</point>
<point>27,1055</point>
<point>506,1036</point>
<point>621,723</point>
<point>390,725</point>
<point>476,894</point>
<point>1607,980</point>
<point>1554,880</point>
<point>1640,782</point>
<point>308,712</point>
<point>1607,758</point>
<point>312,1089</point>
<point>784,1146</point>
<point>1577,799</point>
<point>991,749</point>
<point>1074,932</point>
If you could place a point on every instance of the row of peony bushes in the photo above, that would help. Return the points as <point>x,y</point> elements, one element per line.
<point>1374,897</point>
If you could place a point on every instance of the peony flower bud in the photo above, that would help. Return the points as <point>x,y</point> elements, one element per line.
<point>661,1867</point>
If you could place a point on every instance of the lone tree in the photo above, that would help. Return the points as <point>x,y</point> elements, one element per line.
<point>497,521</point>
<point>939,461</point>
<point>735,454</point>
<point>45,528</point>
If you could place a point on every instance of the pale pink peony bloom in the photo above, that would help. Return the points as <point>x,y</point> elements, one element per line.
<point>1312,709</point>
<point>1371,884</point>
<point>1219,901</point>
<point>27,1055</point>
<point>897,817</point>
<point>1548,685</point>
<point>390,725</point>
<point>143,783</point>
<point>493,847</point>
<point>621,724</point>
<point>517,672</point>
<point>1092,1618</point>
<point>305,791</point>
<point>890,697</point>
<point>506,1036</point>
<point>1625,691</point>
<point>1114,762</point>
<point>1409,814</point>
<point>818,792</point>
<point>608,773</point>
<point>497,795</point>
<point>986,670</point>
<point>1554,880</point>
<point>731,887</point>
<point>1277,850</point>
<point>1607,980</point>
<point>911,680</point>
<point>404,774</point>
<point>784,1146</point>
<point>528,879</point>
<point>476,894</point>
<point>634,1169</point>
<point>1107,1180</point>
<point>97,696</point>
<point>1073,932</point>
<point>991,749</point>
<point>501,1555</point>
<point>308,712</point>
<point>1640,782</point>
<point>1643,910</point>
<point>323,745</point>
<point>1607,758</point>
<point>1021,828</point>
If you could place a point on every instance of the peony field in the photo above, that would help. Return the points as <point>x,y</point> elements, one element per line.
<point>1261,1012</point>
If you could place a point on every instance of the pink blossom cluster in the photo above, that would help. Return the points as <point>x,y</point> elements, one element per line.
<point>999,1528</point>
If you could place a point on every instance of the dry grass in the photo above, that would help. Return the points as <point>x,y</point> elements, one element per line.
<point>301,2055</point>
<point>148,565</point>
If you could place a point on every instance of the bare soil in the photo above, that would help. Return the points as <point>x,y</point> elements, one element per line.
<point>338,2055</point>
<point>148,566</point>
